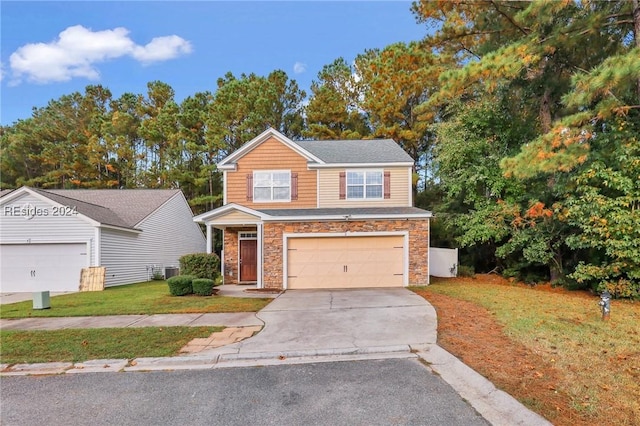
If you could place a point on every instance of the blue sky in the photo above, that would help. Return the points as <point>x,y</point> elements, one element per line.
<point>49,49</point>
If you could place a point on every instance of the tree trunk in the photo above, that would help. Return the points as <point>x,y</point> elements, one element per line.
<point>545,110</point>
<point>555,269</point>
<point>636,31</point>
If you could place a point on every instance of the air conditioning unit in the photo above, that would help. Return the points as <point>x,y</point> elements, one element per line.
<point>171,271</point>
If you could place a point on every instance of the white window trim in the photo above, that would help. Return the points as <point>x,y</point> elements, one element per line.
<point>364,185</point>
<point>271,200</point>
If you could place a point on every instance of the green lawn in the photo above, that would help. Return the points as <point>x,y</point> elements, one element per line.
<point>599,360</point>
<point>77,345</point>
<point>143,298</point>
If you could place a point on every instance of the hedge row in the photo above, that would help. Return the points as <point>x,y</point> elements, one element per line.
<point>182,285</point>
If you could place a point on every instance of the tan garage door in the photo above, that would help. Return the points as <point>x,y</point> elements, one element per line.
<point>345,262</point>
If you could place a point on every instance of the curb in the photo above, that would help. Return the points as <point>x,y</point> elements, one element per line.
<point>496,406</point>
<point>204,361</point>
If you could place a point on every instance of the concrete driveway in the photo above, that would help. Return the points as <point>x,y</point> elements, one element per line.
<point>332,322</point>
<point>311,325</point>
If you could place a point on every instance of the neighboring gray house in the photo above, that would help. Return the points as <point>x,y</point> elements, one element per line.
<point>48,236</point>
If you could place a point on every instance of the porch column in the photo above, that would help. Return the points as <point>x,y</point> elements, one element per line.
<point>209,238</point>
<point>259,230</point>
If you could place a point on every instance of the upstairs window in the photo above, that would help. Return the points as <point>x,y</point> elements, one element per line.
<point>364,184</point>
<point>271,186</point>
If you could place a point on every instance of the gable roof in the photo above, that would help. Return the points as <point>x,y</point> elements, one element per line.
<point>229,162</point>
<point>96,212</point>
<point>122,208</point>
<point>329,153</point>
<point>376,151</point>
<point>131,205</point>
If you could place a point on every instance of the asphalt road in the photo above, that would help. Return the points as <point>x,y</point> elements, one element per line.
<point>384,392</point>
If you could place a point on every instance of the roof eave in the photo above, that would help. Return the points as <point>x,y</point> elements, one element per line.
<point>346,217</point>
<point>206,216</point>
<point>25,189</point>
<point>120,228</point>
<point>358,165</point>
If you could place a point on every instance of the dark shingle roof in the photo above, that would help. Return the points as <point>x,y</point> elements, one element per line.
<point>124,208</point>
<point>5,192</point>
<point>98,213</point>
<point>350,211</point>
<point>357,151</point>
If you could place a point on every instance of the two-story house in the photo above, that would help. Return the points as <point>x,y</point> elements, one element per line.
<point>320,214</point>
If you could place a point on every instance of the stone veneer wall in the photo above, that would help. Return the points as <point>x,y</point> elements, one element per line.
<point>418,244</point>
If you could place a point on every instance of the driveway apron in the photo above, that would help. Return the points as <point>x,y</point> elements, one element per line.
<point>341,321</point>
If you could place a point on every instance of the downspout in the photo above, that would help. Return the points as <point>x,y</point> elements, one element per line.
<point>96,247</point>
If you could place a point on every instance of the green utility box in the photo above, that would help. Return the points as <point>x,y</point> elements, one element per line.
<point>41,300</point>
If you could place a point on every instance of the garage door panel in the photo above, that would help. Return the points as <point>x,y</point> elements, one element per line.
<point>41,267</point>
<point>345,262</point>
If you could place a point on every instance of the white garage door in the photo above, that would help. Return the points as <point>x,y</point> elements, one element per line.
<point>345,262</point>
<point>41,267</point>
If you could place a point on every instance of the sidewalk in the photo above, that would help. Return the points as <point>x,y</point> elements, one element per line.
<point>303,327</point>
<point>239,319</point>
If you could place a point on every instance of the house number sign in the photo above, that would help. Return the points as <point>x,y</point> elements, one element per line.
<point>29,211</point>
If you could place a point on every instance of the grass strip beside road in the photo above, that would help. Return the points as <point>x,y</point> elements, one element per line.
<point>77,345</point>
<point>597,362</point>
<point>136,299</point>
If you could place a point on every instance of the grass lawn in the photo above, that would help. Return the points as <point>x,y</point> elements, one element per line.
<point>143,298</point>
<point>77,345</point>
<point>572,367</point>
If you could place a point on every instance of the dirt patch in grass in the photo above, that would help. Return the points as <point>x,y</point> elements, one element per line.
<point>532,374</point>
<point>469,332</point>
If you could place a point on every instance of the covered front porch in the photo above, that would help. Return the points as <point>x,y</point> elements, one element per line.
<point>242,250</point>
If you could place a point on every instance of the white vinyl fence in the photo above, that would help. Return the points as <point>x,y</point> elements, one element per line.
<point>443,262</point>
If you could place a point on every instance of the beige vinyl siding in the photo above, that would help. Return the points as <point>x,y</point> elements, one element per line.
<point>272,155</point>
<point>234,217</point>
<point>167,234</point>
<point>45,229</point>
<point>329,189</point>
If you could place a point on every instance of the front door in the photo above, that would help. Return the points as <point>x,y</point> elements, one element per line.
<point>248,260</point>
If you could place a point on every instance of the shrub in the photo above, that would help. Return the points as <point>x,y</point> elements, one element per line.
<point>466,271</point>
<point>622,288</point>
<point>200,265</point>
<point>203,286</point>
<point>180,285</point>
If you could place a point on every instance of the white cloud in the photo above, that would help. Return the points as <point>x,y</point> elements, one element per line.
<point>162,49</point>
<point>299,67</point>
<point>77,51</point>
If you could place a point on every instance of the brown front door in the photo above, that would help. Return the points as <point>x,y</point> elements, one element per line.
<point>248,260</point>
